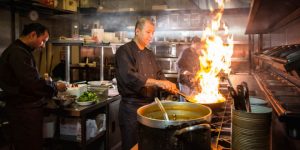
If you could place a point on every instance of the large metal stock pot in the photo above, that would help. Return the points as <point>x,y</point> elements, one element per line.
<point>187,129</point>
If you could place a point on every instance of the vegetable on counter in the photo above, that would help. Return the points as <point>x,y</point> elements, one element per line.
<point>88,96</point>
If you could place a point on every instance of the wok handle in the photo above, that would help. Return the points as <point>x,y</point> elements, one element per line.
<point>188,98</point>
<point>182,94</point>
<point>178,133</point>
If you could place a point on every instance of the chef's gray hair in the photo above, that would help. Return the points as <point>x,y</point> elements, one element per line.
<point>141,22</point>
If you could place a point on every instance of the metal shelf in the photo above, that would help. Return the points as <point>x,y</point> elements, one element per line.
<point>21,5</point>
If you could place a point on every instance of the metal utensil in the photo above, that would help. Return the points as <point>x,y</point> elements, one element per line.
<point>241,97</point>
<point>161,107</point>
<point>233,94</point>
<point>246,94</point>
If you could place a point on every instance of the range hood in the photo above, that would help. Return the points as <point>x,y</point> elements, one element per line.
<point>153,5</point>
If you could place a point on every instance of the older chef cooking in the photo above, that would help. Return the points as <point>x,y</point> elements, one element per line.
<point>139,77</point>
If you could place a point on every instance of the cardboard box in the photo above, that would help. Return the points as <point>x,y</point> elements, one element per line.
<point>67,5</point>
<point>71,5</point>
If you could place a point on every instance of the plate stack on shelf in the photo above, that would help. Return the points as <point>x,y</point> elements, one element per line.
<point>100,88</point>
<point>251,130</point>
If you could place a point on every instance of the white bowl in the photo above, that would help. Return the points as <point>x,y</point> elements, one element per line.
<point>85,103</point>
<point>260,109</point>
<point>99,83</point>
<point>81,64</point>
<point>94,83</point>
<point>91,64</point>
<point>257,101</point>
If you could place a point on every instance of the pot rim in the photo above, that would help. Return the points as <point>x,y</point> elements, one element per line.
<point>157,123</point>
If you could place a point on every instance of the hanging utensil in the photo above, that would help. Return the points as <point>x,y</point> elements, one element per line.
<point>246,94</point>
<point>241,98</point>
<point>161,107</point>
<point>233,94</point>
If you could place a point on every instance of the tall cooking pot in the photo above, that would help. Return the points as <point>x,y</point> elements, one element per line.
<point>187,129</point>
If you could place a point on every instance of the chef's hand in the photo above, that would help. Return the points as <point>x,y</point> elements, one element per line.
<point>47,77</point>
<point>61,86</point>
<point>168,86</point>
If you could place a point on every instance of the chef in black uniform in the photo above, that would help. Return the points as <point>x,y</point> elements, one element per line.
<point>138,77</point>
<point>26,91</point>
<point>188,65</point>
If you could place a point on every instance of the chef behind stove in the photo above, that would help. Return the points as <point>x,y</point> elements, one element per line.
<point>25,90</point>
<point>188,65</point>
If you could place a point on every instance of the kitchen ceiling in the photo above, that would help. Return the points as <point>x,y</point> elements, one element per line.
<point>152,5</point>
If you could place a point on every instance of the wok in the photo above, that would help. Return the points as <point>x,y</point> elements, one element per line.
<point>213,106</point>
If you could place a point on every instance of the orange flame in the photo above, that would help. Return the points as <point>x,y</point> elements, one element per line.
<point>216,57</point>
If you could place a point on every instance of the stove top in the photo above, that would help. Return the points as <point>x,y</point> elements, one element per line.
<point>221,126</point>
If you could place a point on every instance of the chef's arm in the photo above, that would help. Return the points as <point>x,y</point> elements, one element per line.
<point>164,84</point>
<point>59,85</point>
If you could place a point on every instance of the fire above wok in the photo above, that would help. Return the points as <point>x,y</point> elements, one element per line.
<point>216,105</point>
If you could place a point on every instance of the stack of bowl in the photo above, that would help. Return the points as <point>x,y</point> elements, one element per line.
<point>251,130</point>
<point>258,101</point>
<point>100,88</point>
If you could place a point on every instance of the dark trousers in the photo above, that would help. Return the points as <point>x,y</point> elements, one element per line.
<point>26,128</point>
<point>128,123</point>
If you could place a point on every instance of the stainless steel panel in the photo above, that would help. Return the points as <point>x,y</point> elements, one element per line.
<point>5,30</point>
<point>114,132</point>
<point>168,65</point>
<point>165,50</point>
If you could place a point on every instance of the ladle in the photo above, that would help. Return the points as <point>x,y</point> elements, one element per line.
<point>161,107</point>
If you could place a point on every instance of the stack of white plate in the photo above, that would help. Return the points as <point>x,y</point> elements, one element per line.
<point>251,130</point>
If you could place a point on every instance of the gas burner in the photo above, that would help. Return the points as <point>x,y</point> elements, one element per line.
<point>221,127</point>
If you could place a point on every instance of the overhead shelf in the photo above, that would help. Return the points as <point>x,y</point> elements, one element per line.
<point>29,5</point>
<point>268,15</point>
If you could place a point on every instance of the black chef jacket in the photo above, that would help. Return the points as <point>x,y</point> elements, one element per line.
<point>133,68</point>
<point>26,93</point>
<point>19,78</point>
<point>188,61</point>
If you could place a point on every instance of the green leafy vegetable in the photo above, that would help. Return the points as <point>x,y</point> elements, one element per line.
<point>88,96</point>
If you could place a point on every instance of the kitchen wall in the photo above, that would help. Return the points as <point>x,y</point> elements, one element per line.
<point>179,24</point>
<point>5,30</point>
<point>58,26</point>
<point>176,26</point>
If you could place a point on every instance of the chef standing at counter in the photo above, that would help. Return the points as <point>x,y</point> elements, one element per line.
<point>25,91</point>
<point>139,77</point>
